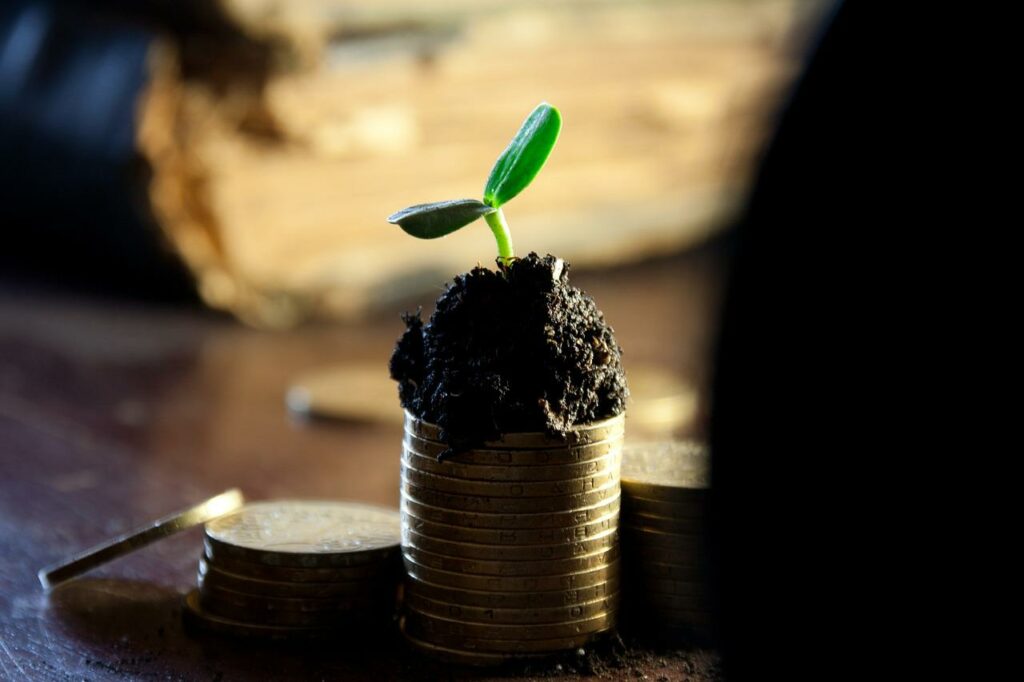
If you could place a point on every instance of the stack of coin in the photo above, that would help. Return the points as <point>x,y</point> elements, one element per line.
<point>664,496</point>
<point>298,569</point>
<point>510,550</point>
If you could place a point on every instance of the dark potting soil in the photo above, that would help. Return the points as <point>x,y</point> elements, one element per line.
<point>518,349</point>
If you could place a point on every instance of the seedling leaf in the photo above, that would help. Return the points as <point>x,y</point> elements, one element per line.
<point>519,164</point>
<point>430,221</point>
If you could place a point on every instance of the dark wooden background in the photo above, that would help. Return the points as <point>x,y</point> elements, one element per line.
<point>114,413</point>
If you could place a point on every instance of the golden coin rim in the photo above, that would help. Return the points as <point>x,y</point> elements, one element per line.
<point>518,458</point>
<point>295,590</point>
<point>507,616</point>
<point>468,550</point>
<point>492,536</point>
<point>519,568</point>
<point>216,532</point>
<point>511,474</point>
<point>506,521</point>
<point>509,600</point>
<point>658,479</point>
<point>292,574</point>
<point>511,584</point>
<point>529,489</point>
<point>512,505</point>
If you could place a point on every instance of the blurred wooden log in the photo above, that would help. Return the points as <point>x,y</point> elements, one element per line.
<point>275,191</point>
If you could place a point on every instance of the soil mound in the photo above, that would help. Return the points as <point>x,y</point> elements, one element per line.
<point>519,349</point>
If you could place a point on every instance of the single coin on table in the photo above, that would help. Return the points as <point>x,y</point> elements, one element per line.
<point>555,567</point>
<point>505,521</point>
<point>466,550</point>
<point>212,508</point>
<point>306,534</point>
<point>491,583</point>
<point>513,537</point>
<point>512,616</point>
<point>512,600</point>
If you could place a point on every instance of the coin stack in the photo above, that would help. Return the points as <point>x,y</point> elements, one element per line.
<point>298,569</point>
<point>510,550</point>
<point>664,496</point>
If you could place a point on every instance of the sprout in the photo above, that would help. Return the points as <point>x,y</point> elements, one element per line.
<point>514,170</point>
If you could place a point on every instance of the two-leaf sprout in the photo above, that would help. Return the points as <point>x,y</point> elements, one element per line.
<point>514,170</point>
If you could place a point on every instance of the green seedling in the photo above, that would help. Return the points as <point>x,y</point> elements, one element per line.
<point>514,170</point>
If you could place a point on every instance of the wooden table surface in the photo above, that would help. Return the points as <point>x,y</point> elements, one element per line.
<point>113,414</point>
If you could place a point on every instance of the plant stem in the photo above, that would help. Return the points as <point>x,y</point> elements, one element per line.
<point>496,221</point>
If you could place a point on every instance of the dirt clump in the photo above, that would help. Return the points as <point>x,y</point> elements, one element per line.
<point>517,349</point>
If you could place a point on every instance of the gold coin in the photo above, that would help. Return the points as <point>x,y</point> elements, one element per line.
<point>669,470</point>
<point>431,626</point>
<point>196,617</point>
<point>669,603</point>
<point>96,556</point>
<point>518,648</point>
<point>515,616</point>
<point>306,534</point>
<point>460,657</point>
<point>517,489</point>
<point>664,555</point>
<point>653,538</point>
<point>219,578</point>
<point>694,509</point>
<point>534,583</point>
<point>511,537</point>
<point>512,568</point>
<point>666,571</point>
<point>261,603</point>
<point>248,569</point>
<point>509,505</point>
<point>578,435</point>
<point>665,524</point>
<point>212,604</point>
<point>682,588</point>
<point>558,456</point>
<point>454,468</point>
<point>465,550</point>
<point>511,600</point>
<point>362,393</point>
<point>532,521</point>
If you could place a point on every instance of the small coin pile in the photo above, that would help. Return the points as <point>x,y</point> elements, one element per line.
<point>664,496</point>
<point>290,569</point>
<point>510,550</point>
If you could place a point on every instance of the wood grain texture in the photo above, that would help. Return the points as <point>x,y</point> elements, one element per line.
<point>112,415</point>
